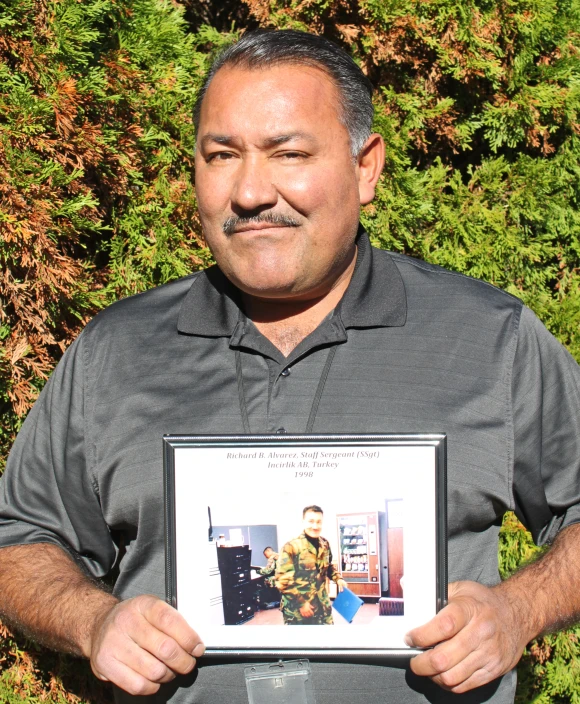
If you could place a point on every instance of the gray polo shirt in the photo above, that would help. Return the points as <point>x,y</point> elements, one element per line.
<point>418,349</point>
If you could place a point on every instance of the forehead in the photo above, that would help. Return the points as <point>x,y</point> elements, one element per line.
<point>249,102</point>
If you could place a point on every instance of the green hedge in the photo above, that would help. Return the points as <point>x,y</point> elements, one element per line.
<point>478,104</point>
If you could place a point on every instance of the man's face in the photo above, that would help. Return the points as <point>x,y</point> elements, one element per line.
<point>312,523</point>
<point>271,147</point>
<point>268,553</point>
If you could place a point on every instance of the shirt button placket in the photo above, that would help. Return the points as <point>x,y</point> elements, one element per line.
<point>277,403</point>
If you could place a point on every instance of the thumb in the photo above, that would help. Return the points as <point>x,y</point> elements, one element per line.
<point>455,589</point>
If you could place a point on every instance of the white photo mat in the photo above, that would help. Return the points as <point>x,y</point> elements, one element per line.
<point>269,479</point>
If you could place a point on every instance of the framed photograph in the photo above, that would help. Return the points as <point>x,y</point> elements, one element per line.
<point>345,534</point>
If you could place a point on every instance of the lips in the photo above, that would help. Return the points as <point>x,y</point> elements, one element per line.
<point>259,226</point>
<point>235,224</point>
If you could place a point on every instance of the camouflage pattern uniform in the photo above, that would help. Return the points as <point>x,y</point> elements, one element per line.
<point>301,577</point>
<point>269,570</point>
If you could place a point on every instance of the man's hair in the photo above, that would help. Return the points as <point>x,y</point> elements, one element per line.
<point>314,508</point>
<point>268,547</point>
<point>263,49</point>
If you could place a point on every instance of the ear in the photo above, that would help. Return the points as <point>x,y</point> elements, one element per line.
<point>370,163</point>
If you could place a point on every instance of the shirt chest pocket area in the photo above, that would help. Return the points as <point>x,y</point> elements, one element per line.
<point>307,562</point>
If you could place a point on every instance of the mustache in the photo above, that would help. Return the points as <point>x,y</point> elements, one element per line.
<point>230,224</point>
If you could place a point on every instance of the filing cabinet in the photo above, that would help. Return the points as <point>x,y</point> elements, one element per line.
<point>238,591</point>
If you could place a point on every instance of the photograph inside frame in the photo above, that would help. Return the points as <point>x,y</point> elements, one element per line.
<point>286,563</point>
<point>319,536</point>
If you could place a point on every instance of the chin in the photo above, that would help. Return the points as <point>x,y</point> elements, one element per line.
<point>271,281</point>
<point>268,289</point>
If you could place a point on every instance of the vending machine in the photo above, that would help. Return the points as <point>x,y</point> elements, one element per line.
<point>361,561</point>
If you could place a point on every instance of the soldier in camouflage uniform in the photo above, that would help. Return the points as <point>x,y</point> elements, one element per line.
<point>269,570</point>
<point>304,565</point>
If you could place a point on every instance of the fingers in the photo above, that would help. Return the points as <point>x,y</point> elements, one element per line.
<point>481,676</point>
<point>139,671</point>
<point>476,639</point>
<point>173,640</point>
<point>473,670</point>
<point>450,655</point>
<point>128,680</point>
<point>142,643</point>
<point>448,622</point>
<point>158,643</point>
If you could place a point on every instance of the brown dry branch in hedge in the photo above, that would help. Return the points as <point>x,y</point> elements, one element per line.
<point>37,275</point>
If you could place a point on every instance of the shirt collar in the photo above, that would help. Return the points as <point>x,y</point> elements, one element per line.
<point>375,297</point>
<point>309,540</point>
<point>376,294</point>
<point>211,307</point>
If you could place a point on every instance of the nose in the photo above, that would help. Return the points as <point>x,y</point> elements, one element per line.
<point>254,189</point>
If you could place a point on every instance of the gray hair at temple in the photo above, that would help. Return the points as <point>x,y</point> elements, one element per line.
<point>263,49</point>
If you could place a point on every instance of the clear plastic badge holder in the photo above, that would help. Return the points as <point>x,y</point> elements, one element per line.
<point>283,682</point>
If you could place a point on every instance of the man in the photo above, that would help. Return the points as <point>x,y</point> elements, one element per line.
<point>268,594</point>
<point>304,567</point>
<point>303,326</point>
<point>270,569</point>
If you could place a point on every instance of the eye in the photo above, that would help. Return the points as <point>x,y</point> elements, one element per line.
<point>292,156</point>
<point>219,156</point>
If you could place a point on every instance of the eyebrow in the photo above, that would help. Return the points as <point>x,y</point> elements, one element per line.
<point>229,140</point>
<point>283,138</point>
<point>219,138</point>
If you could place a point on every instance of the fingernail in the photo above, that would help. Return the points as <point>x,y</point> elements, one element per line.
<point>408,641</point>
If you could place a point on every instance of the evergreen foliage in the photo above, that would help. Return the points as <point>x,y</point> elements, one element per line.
<point>478,103</point>
<point>96,155</point>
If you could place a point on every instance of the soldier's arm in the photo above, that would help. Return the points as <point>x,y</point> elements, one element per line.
<point>285,578</point>
<point>268,570</point>
<point>333,574</point>
<point>285,571</point>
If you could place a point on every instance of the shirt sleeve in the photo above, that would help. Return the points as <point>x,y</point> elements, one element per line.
<point>546,431</point>
<point>268,570</point>
<point>47,492</point>
<point>331,573</point>
<point>285,577</point>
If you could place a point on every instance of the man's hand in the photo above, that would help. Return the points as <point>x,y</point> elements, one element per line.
<point>142,642</point>
<point>307,611</point>
<point>478,636</point>
<point>341,584</point>
<point>136,644</point>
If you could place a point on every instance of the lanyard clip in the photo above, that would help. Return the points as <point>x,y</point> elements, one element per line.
<point>282,682</point>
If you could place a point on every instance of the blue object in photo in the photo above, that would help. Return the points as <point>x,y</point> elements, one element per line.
<point>347,604</point>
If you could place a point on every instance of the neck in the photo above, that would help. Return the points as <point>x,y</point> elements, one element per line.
<point>287,322</point>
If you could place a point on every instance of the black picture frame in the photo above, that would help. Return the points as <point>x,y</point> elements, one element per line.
<point>199,471</point>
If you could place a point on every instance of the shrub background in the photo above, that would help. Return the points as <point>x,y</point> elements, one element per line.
<point>478,103</point>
